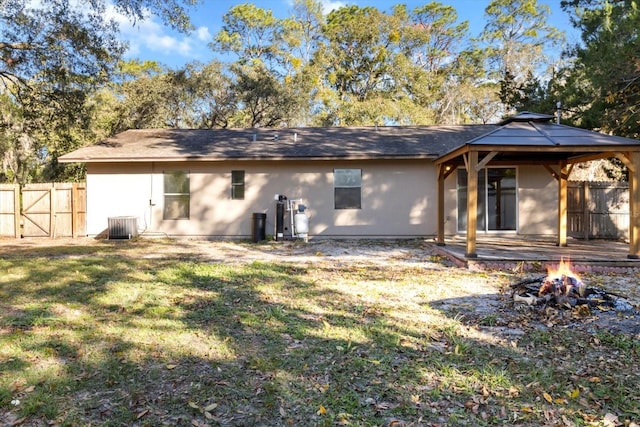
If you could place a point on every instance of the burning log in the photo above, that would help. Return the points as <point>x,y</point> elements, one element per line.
<point>562,287</point>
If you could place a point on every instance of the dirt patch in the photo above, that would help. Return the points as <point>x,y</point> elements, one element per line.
<point>480,301</point>
<point>340,252</point>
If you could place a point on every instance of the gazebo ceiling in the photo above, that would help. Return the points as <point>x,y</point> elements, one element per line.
<point>529,138</point>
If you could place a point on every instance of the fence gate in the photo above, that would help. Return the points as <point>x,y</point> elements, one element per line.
<point>48,210</point>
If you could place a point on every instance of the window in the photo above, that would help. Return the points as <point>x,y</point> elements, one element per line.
<point>237,185</point>
<point>497,201</point>
<point>176,195</point>
<point>347,184</point>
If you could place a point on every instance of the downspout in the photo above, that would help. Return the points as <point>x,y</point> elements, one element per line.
<point>151,204</point>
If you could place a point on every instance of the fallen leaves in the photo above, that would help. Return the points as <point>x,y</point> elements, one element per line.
<point>358,346</point>
<point>206,411</point>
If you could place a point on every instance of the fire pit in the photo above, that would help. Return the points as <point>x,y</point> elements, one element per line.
<point>562,287</point>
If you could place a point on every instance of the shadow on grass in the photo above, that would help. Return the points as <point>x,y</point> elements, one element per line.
<point>54,249</point>
<point>114,341</point>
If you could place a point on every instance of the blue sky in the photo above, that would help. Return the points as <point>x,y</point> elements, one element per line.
<point>151,40</point>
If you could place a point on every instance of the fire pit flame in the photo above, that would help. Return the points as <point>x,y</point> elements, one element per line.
<point>562,287</point>
<point>563,269</point>
<point>562,282</point>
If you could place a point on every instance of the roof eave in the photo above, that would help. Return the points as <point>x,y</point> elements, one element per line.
<point>574,150</point>
<point>243,159</point>
<point>578,148</point>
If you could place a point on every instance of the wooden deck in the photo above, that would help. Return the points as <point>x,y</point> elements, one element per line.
<point>528,254</point>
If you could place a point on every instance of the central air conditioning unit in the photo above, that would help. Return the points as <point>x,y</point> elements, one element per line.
<point>123,227</point>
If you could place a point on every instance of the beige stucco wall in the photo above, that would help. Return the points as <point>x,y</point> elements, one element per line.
<point>398,198</point>
<point>537,201</point>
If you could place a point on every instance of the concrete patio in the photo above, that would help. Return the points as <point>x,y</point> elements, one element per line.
<point>531,254</point>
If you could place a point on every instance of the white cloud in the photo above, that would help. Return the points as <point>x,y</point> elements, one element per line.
<point>149,39</point>
<point>203,34</point>
<point>328,5</point>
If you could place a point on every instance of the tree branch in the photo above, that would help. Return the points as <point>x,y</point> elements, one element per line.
<point>15,46</point>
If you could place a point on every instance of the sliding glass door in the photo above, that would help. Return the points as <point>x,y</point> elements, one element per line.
<point>497,199</point>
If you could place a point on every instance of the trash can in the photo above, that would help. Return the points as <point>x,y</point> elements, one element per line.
<point>258,227</point>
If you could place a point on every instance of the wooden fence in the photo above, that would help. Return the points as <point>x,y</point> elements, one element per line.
<point>598,210</point>
<point>43,210</point>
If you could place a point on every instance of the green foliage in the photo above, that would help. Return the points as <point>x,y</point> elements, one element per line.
<point>358,53</point>
<point>53,54</point>
<point>353,66</point>
<point>266,100</point>
<point>606,83</point>
<point>518,38</point>
<point>253,34</point>
<point>210,95</point>
<point>390,68</point>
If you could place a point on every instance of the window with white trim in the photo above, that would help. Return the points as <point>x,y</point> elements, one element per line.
<point>347,187</point>
<point>237,185</point>
<point>177,195</point>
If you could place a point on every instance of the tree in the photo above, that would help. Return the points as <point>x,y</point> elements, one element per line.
<point>211,95</point>
<point>517,38</point>
<point>33,133</point>
<point>431,40</point>
<point>264,100</point>
<point>431,35</point>
<point>303,31</point>
<point>65,44</point>
<point>254,35</point>
<point>265,77</point>
<point>605,82</point>
<point>358,54</point>
<point>15,144</point>
<point>355,66</point>
<point>147,95</point>
<point>139,97</point>
<point>52,54</point>
<point>390,68</point>
<point>469,95</point>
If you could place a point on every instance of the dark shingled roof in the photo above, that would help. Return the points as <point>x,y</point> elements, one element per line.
<point>384,142</point>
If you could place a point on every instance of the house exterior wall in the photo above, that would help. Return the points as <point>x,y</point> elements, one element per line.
<point>537,201</point>
<point>398,197</point>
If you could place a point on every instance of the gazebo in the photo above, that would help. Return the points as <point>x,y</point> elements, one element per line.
<point>535,139</point>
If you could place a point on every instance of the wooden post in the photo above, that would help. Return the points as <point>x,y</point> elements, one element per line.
<point>472,204</point>
<point>634,206</point>
<point>562,204</point>
<point>440,230</point>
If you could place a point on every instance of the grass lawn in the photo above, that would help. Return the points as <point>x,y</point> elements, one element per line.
<point>103,335</point>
